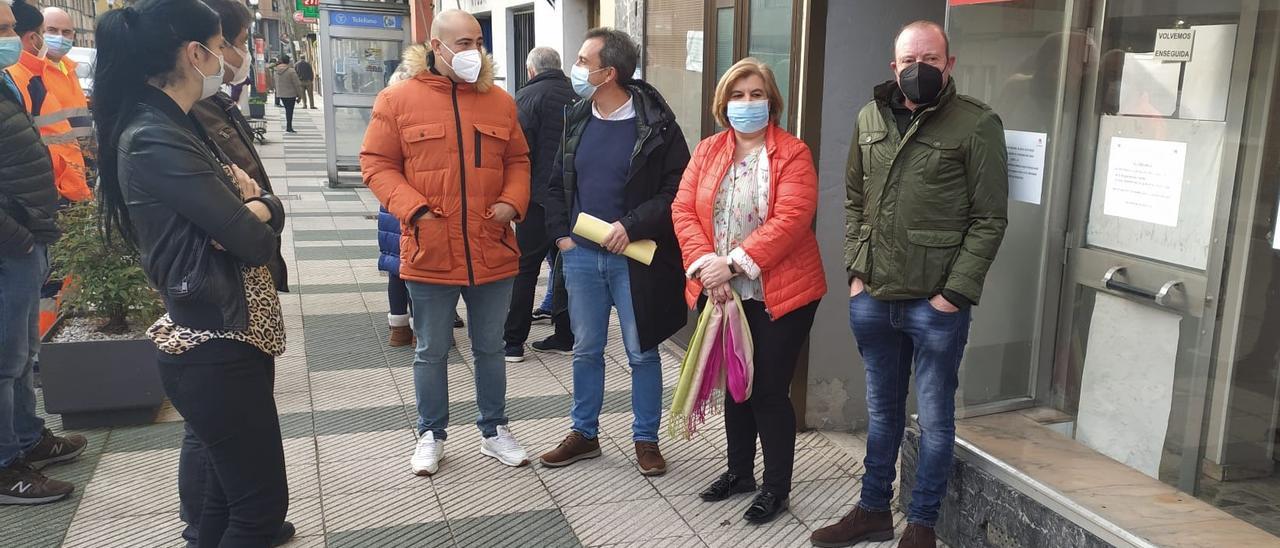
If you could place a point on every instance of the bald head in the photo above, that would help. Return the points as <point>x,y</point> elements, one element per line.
<point>453,32</point>
<point>916,31</point>
<point>58,22</point>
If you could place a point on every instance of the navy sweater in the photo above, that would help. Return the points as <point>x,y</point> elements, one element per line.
<point>602,162</point>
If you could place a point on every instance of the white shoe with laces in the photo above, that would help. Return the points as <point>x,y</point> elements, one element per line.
<point>505,448</point>
<point>426,456</point>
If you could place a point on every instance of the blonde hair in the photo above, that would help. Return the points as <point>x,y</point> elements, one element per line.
<point>748,66</point>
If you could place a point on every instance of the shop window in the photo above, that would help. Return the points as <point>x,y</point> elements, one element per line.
<point>673,60</point>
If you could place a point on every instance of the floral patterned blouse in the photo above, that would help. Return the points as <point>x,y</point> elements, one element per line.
<point>741,206</point>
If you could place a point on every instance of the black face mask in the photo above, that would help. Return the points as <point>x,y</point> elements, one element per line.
<point>921,83</point>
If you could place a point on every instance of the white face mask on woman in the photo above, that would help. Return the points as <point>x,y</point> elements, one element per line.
<point>212,82</point>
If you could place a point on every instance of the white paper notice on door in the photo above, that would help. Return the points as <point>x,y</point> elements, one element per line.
<point>1126,389</point>
<point>1144,180</point>
<point>1026,164</point>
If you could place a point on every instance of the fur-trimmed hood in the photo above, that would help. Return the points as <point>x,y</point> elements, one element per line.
<point>418,61</point>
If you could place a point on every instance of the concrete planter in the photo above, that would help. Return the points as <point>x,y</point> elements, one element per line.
<point>101,383</point>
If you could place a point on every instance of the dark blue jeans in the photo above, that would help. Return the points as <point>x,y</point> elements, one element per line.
<point>20,279</point>
<point>892,335</point>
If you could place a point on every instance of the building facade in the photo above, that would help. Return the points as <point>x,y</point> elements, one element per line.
<point>1128,317</point>
<point>514,27</point>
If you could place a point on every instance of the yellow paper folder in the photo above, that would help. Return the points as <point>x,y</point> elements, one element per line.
<point>596,230</point>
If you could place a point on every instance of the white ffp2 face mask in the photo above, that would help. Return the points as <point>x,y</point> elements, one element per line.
<point>466,64</point>
<point>212,82</point>
<point>241,73</point>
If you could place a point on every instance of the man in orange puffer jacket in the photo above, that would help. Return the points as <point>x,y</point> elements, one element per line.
<point>445,154</point>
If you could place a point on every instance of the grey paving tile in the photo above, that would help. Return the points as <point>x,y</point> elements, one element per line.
<point>322,235</point>
<point>543,528</point>
<point>373,509</point>
<point>331,253</point>
<point>142,531</point>
<point>145,438</point>
<point>350,421</point>
<point>297,425</point>
<point>317,289</point>
<point>578,486</point>
<point>493,497</point>
<point>394,443</point>
<point>632,521</point>
<point>418,535</point>
<point>334,361</point>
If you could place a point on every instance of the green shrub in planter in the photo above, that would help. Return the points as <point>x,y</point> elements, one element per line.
<point>94,379</point>
<point>107,277</point>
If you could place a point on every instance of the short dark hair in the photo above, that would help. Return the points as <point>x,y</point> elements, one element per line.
<point>284,59</point>
<point>235,17</point>
<point>28,17</point>
<point>924,24</point>
<point>619,52</point>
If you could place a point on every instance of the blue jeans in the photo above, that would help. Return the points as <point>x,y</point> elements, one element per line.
<point>598,281</point>
<point>433,313</point>
<point>891,336</point>
<point>20,280</point>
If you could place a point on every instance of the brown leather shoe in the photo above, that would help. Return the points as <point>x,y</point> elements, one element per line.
<point>855,527</point>
<point>918,536</point>
<point>400,336</point>
<point>574,448</point>
<point>650,459</point>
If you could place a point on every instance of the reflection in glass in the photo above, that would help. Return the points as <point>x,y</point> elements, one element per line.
<point>668,28</point>
<point>770,41</point>
<point>349,125</point>
<point>362,67</point>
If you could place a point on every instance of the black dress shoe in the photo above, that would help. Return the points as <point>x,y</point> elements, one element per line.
<point>765,507</point>
<point>726,486</point>
<point>285,534</point>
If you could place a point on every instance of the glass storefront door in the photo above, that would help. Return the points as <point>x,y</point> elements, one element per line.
<point>1155,174</point>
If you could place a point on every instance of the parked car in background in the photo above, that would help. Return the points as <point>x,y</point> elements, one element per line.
<point>85,59</point>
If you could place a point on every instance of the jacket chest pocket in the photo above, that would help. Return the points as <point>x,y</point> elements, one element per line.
<point>877,152</point>
<point>490,145</point>
<point>943,188</point>
<point>423,143</point>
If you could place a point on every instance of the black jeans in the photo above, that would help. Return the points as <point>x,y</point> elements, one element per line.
<point>531,235</point>
<point>231,474</point>
<point>289,103</point>
<point>768,412</point>
<point>397,295</point>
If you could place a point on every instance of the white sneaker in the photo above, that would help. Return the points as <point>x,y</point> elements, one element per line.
<point>505,448</point>
<point>426,456</point>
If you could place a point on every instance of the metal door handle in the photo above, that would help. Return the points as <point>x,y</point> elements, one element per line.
<point>1160,296</point>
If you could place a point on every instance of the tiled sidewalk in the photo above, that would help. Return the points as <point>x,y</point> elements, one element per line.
<point>347,410</point>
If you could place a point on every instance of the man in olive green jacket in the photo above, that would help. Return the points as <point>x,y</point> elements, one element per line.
<point>926,211</point>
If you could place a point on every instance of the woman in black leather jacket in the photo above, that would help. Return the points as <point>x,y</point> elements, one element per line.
<point>206,231</point>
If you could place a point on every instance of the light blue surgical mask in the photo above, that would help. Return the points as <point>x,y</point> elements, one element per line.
<point>58,45</point>
<point>581,83</point>
<point>10,51</point>
<point>748,116</point>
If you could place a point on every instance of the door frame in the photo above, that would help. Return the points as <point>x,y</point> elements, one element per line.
<point>741,47</point>
<point>1201,298</point>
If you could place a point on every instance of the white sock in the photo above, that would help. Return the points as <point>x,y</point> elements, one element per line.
<point>398,320</point>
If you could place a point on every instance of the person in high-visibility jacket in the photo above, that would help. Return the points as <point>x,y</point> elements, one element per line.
<point>39,81</point>
<point>64,82</point>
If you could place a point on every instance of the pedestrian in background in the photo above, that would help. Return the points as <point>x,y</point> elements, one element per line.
<point>918,246</point>
<point>744,217</point>
<point>34,81</point>
<point>288,86</point>
<point>541,103</point>
<point>28,202</point>
<point>307,76</point>
<point>64,82</point>
<point>206,232</point>
<point>445,155</point>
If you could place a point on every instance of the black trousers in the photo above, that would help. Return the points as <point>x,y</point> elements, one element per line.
<point>289,103</point>
<point>768,413</point>
<point>531,236</point>
<point>231,473</point>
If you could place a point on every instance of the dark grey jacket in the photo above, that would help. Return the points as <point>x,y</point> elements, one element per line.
<point>28,197</point>
<point>541,105</point>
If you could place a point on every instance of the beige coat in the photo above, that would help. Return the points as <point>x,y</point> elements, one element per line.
<point>288,86</point>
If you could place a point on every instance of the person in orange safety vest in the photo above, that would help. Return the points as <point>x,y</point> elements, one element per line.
<point>44,87</point>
